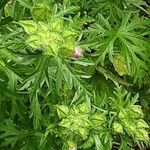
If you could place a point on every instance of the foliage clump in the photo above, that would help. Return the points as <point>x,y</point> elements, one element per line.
<point>74,74</point>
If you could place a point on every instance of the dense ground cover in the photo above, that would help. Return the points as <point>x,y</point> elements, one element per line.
<point>74,74</point>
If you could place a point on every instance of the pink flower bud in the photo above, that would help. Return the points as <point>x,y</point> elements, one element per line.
<point>77,52</point>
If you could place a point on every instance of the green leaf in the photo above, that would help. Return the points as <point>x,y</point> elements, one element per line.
<point>117,127</point>
<point>62,111</point>
<point>36,113</point>
<point>97,119</point>
<point>41,12</point>
<point>9,10</point>
<point>84,108</point>
<point>98,143</point>
<point>70,44</point>
<point>129,127</point>
<point>56,25</point>
<point>26,3</point>
<point>29,26</point>
<point>141,124</point>
<point>5,54</point>
<point>65,123</point>
<point>137,111</point>
<point>34,41</point>
<point>120,65</point>
<point>74,110</point>
<point>69,32</point>
<point>83,132</point>
<point>52,49</point>
<point>142,134</point>
<point>43,28</point>
<point>112,77</point>
<point>88,143</point>
<point>122,114</point>
<point>83,62</point>
<point>124,145</point>
<point>9,134</point>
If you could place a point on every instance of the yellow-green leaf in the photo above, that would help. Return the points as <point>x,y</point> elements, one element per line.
<point>29,26</point>
<point>62,111</point>
<point>141,124</point>
<point>69,32</point>
<point>142,135</point>
<point>137,111</point>
<point>83,108</point>
<point>82,132</point>
<point>34,41</point>
<point>56,25</point>
<point>97,119</point>
<point>117,127</point>
<point>41,12</point>
<point>120,64</point>
<point>65,123</point>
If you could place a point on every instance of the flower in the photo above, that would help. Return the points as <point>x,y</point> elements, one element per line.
<point>77,52</point>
